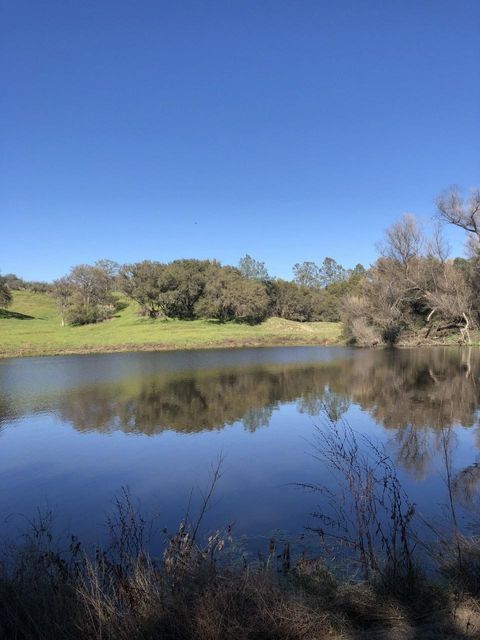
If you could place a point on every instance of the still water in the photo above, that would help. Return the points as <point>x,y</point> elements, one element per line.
<point>74,430</point>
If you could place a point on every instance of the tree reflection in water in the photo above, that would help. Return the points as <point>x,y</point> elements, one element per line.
<point>416,393</point>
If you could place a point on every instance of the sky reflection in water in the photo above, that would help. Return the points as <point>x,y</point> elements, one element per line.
<point>74,430</point>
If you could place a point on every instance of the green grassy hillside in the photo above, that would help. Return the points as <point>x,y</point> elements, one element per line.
<point>31,326</point>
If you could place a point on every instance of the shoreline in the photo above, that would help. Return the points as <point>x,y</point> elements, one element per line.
<point>205,346</point>
<point>165,347</point>
<point>37,333</point>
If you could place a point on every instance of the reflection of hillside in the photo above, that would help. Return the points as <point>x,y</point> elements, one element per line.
<point>199,401</point>
<point>7,410</point>
<point>414,389</point>
<point>420,388</point>
<point>416,393</point>
<point>466,484</point>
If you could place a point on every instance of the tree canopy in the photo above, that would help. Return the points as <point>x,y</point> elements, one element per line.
<point>5,293</point>
<point>253,269</point>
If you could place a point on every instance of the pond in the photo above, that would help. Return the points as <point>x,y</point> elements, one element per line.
<point>74,430</point>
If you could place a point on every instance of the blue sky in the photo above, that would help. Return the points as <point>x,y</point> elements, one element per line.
<point>290,130</point>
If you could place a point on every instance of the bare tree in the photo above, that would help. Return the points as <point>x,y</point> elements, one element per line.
<point>62,291</point>
<point>459,211</point>
<point>403,241</point>
<point>464,212</point>
<point>437,246</point>
<point>451,299</point>
<point>411,284</point>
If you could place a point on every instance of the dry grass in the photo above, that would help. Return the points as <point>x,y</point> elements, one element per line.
<point>102,600</point>
<point>203,587</point>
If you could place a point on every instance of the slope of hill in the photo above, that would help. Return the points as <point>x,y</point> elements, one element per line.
<point>31,326</point>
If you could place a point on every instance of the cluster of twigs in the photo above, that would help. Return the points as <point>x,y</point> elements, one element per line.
<point>196,590</point>
<point>367,511</point>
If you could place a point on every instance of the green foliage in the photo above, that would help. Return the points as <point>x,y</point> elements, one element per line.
<point>79,314</point>
<point>331,272</point>
<point>85,296</point>
<point>184,283</point>
<point>62,291</point>
<point>171,290</point>
<point>5,293</point>
<point>329,304</point>
<point>291,301</point>
<point>253,269</point>
<point>470,269</point>
<point>294,301</point>
<point>38,286</point>
<point>307,274</point>
<point>141,282</point>
<point>230,296</point>
<point>13,281</point>
<point>186,289</point>
<point>109,267</point>
<point>326,304</point>
<point>189,289</point>
<point>42,333</point>
<point>357,273</point>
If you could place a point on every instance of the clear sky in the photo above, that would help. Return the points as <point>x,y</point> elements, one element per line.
<point>290,130</point>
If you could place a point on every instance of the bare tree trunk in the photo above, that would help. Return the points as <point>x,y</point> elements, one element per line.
<point>465,330</point>
<point>429,317</point>
<point>468,363</point>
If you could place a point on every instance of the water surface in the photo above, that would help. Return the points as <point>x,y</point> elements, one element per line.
<point>75,429</point>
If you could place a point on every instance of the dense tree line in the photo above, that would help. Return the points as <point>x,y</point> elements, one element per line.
<point>188,289</point>
<point>15,283</point>
<point>11,282</point>
<point>413,286</point>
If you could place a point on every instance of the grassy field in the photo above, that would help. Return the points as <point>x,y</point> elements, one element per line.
<point>31,326</point>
